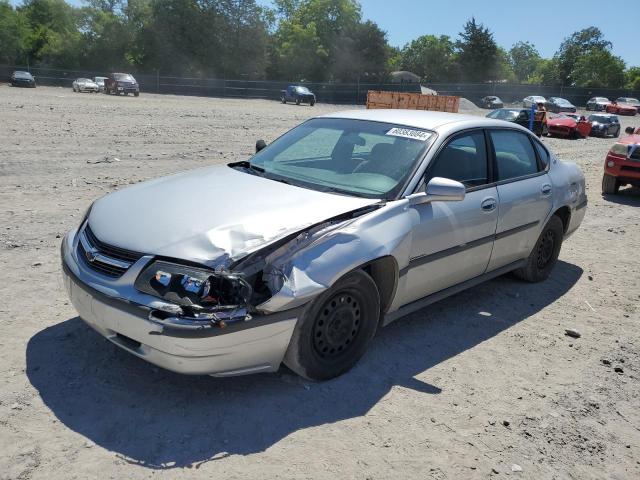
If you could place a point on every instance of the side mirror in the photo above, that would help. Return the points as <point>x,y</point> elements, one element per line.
<point>260,144</point>
<point>629,130</point>
<point>439,190</point>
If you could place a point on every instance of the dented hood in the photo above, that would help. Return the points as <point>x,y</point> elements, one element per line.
<point>211,215</point>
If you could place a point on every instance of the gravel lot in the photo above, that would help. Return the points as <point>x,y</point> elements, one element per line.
<point>482,385</point>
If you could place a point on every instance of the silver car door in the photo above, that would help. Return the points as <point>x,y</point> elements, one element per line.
<point>453,240</point>
<point>524,191</point>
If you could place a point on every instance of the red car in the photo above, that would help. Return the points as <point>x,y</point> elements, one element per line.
<point>622,165</point>
<point>568,126</point>
<point>621,108</point>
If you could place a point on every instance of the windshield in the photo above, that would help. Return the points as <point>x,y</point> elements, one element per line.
<point>561,101</point>
<point>83,80</point>
<point>508,115</point>
<point>538,99</point>
<point>600,119</point>
<point>354,157</point>
<point>602,99</point>
<point>22,74</point>
<point>302,90</point>
<point>124,77</point>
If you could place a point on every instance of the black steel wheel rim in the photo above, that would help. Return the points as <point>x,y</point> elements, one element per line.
<point>546,248</point>
<point>337,325</point>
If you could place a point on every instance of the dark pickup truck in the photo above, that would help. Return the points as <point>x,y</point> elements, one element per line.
<point>298,94</point>
<point>121,83</point>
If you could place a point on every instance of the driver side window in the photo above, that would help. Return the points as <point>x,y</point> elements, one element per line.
<point>463,159</point>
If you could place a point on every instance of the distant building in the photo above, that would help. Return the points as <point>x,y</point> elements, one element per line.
<point>403,76</point>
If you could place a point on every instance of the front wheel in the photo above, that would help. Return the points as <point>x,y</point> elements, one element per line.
<point>136,94</point>
<point>544,255</point>
<point>283,100</point>
<point>312,103</point>
<point>335,329</point>
<point>617,133</point>
<point>610,185</point>
<point>297,101</point>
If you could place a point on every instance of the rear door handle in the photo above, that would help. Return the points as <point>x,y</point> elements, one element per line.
<point>489,204</point>
<point>546,189</point>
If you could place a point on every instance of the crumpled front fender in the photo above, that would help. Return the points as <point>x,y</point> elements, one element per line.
<point>315,260</point>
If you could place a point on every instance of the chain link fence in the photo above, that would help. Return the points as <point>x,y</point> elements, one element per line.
<point>345,93</point>
<point>339,93</point>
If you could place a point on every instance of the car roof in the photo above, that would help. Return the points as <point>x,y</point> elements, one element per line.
<point>421,119</point>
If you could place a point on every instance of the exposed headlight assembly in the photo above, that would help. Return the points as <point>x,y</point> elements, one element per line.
<point>205,298</point>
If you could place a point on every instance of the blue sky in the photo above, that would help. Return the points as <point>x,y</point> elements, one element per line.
<point>544,23</point>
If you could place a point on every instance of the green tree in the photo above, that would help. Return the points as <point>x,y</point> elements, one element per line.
<point>524,60</point>
<point>430,57</point>
<point>503,70</point>
<point>599,68</point>
<point>306,42</point>
<point>360,53</point>
<point>477,52</point>
<point>14,32</point>
<point>54,37</point>
<point>545,73</point>
<point>575,46</point>
<point>632,78</point>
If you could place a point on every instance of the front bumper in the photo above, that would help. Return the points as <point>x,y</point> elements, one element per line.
<point>121,314</point>
<point>623,168</point>
<point>128,89</point>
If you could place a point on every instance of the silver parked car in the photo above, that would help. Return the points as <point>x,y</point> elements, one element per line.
<point>533,100</point>
<point>100,82</point>
<point>85,85</point>
<point>340,226</point>
<point>598,104</point>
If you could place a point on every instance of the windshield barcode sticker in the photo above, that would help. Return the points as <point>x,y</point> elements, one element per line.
<point>408,133</point>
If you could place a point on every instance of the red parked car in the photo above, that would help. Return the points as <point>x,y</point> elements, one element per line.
<point>622,165</point>
<point>568,126</point>
<point>621,108</point>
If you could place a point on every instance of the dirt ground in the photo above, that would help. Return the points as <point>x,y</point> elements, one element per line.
<point>482,385</point>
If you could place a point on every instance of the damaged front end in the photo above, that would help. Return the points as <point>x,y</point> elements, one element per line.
<point>195,298</point>
<point>199,298</point>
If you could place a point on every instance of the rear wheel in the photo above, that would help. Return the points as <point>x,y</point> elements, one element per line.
<point>335,329</point>
<point>544,255</point>
<point>298,101</point>
<point>610,185</point>
<point>312,103</point>
<point>136,94</point>
<point>283,100</point>
<point>617,133</point>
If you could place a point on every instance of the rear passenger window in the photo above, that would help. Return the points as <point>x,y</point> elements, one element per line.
<point>543,154</point>
<point>514,154</point>
<point>464,159</point>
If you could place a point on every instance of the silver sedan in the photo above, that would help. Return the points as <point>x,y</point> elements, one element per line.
<point>85,85</point>
<point>339,227</point>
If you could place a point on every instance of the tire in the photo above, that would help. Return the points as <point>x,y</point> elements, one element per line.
<point>335,329</point>
<point>610,185</point>
<point>297,101</point>
<point>544,255</point>
<point>283,100</point>
<point>617,134</point>
<point>136,94</point>
<point>312,103</point>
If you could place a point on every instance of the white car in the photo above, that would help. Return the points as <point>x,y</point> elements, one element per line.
<point>533,100</point>
<point>100,82</point>
<point>339,227</point>
<point>85,85</point>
